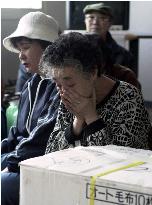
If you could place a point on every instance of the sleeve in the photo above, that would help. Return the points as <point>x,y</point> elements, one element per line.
<point>131,125</point>
<point>61,137</point>
<point>129,59</point>
<point>125,74</point>
<point>128,125</point>
<point>14,135</point>
<point>9,143</point>
<point>35,144</point>
<point>94,127</point>
<point>125,58</point>
<point>130,77</point>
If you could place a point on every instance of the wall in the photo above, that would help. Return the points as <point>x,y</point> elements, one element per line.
<point>145,67</point>
<point>140,17</point>
<point>141,24</point>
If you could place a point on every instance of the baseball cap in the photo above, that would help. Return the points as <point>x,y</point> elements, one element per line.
<point>100,7</point>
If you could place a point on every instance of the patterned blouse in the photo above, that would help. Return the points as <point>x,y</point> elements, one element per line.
<point>123,121</point>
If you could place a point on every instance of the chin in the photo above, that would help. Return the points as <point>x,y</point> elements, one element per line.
<point>28,70</point>
<point>95,31</point>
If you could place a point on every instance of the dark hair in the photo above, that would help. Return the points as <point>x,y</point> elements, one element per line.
<point>42,43</point>
<point>72,49</point>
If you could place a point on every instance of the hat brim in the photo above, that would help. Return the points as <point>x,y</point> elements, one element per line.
<point>9,46</point>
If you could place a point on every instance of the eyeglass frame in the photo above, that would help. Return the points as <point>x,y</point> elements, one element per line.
<point>101,17</point>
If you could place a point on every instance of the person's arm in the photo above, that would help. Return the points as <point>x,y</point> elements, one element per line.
<point>9,143</point>
<point>128,125</point>
<point>5,170</point>
<point>75,112</point>
<point>125,74</point>
<point>125,125</point>
<point>35,144</point>
<point>17,132</point>
<point>132,125</point>
<point>62,136</point>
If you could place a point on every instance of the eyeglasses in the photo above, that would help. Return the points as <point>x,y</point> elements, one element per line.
<point>99,18</point>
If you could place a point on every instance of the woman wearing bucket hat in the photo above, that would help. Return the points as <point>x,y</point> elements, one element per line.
<point>38,104</point>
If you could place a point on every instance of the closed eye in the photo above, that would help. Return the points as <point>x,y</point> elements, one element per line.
<point>71,85</point>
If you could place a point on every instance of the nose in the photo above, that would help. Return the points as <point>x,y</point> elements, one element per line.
<point>21,55</point>
<point>59,87</point>
<point>95,20</point>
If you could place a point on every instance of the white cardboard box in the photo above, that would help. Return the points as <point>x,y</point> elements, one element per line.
<point>64,177</point>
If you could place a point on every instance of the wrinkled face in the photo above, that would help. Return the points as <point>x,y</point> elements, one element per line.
<point>73,79</point>
<point>29,54</point>
<point>97,23</point>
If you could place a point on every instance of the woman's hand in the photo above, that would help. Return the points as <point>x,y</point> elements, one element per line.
<point>83,108</point>
<point>78,125</point>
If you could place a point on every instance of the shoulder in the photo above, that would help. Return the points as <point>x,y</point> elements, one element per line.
<point>127,91</point>
<point>124,99</point>
<point>119,49</point>
<point>37,79</point>
<point>125,74</point>
<point>115,45</point>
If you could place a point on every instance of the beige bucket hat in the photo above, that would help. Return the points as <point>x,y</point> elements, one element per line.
<point>34,25</point>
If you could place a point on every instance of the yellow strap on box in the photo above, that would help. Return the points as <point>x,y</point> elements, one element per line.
<point>93,178</point>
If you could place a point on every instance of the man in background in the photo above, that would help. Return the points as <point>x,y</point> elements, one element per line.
<point>98,19</point>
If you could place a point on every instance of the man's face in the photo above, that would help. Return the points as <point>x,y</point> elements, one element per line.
<point>97,23</point>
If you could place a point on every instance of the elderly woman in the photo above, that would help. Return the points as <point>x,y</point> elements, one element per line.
<point>94,109</point>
